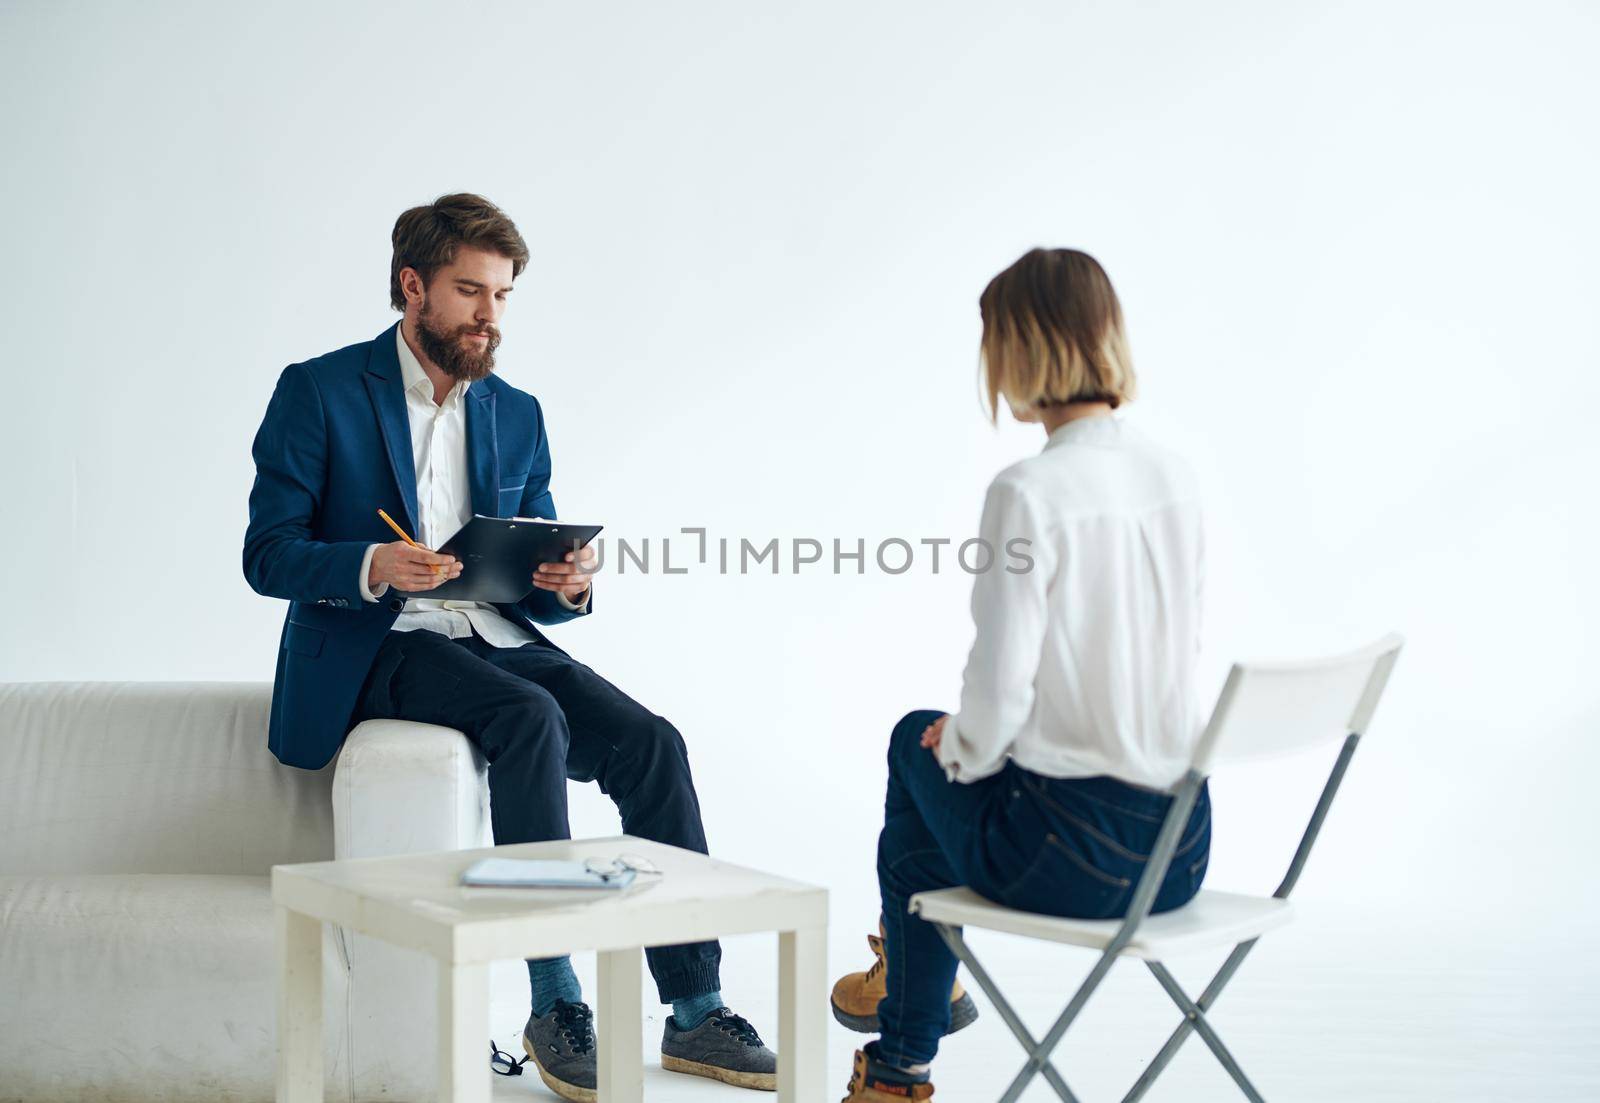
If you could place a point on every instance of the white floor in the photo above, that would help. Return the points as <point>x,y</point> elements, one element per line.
<point>1334,1008</point>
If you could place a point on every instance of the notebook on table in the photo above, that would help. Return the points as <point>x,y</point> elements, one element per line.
<point>543,874</point>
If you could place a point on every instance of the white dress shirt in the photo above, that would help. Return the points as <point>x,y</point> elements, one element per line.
<point>1085,665</point>
<point>444,504</point>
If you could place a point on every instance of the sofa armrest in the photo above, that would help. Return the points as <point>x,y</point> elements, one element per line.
<point>403,788</point>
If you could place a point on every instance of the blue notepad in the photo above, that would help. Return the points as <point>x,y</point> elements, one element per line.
<point>542,874</point>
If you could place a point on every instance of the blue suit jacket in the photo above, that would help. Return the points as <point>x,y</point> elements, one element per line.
<point>334,448</point>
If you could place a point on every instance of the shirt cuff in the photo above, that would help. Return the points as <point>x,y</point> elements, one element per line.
<point>949,756</point>
<point>566,602</point>
<point>945,751</point>
<point>366,571</point>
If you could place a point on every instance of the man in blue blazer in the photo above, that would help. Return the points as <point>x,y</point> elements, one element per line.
<point>415,422</point>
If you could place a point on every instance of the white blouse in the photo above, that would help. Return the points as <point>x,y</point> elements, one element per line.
<point>1085,663</point>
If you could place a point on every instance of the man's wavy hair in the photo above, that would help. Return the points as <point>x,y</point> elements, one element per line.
<point>426,238</point>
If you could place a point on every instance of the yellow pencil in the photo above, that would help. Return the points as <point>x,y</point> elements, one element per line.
<point>433,568</point>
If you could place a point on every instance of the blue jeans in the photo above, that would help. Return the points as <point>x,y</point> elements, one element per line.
<point>1070,847</point>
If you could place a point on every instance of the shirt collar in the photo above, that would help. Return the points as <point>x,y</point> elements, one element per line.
<point>1094,427</point>
<point>414,377</point>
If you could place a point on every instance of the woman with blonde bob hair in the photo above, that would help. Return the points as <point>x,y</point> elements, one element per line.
<point>1045,790</point>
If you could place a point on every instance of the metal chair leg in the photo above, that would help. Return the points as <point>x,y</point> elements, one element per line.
<point>1038,1053</point>
<point>1197,1016</point>
<point>1186,1027</point>
<point>1039,1057</point>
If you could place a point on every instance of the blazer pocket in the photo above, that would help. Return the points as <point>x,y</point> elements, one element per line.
<point>509,483</point>
<point>304,640</point>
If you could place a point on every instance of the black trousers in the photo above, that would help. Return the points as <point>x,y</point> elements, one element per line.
<point>541,717</point>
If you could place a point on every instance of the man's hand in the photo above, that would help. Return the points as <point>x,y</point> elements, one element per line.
<point>411,569</point>
<point>933,733</point>
<point>569,577</point>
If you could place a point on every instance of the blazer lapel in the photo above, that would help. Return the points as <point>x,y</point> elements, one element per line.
<point>483,450</point>
<point>387,388</point>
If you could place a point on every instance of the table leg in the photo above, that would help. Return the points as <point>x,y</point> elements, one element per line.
<point>619,1024</point>
<point>463,1033</point>
<point>299,947</point>
<point>802,1007</point>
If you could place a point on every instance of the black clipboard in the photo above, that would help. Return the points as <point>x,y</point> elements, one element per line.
<point>499,555</point>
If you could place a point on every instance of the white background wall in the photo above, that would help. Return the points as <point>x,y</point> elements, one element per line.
<point>1357,250</point>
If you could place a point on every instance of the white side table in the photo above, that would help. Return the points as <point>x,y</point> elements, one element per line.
<point>416,900</point>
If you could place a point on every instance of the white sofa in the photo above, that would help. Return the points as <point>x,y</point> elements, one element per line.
<point>138,825</point>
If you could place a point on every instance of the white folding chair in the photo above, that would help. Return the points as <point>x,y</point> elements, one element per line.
<point>1265,709</point>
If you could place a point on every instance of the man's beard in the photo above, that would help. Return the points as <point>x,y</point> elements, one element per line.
<point>448,352</point>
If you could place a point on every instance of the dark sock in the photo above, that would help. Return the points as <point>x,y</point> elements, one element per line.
<point>889,1070</point>
<point>695,1010</point>
<point>552,979</point>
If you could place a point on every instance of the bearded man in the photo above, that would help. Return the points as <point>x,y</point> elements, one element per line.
<point>415,422</point>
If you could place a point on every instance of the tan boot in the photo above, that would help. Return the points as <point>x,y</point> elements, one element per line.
<point>856,996</point>
<point>868,1085</point>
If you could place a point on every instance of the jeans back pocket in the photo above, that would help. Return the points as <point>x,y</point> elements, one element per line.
<point>1061,880</point>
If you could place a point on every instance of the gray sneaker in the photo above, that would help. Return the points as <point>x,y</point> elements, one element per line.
<point>725,1047</point>
<point>562,1047</point>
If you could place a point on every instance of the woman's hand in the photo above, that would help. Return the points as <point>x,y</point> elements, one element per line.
<point>933,733</point>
